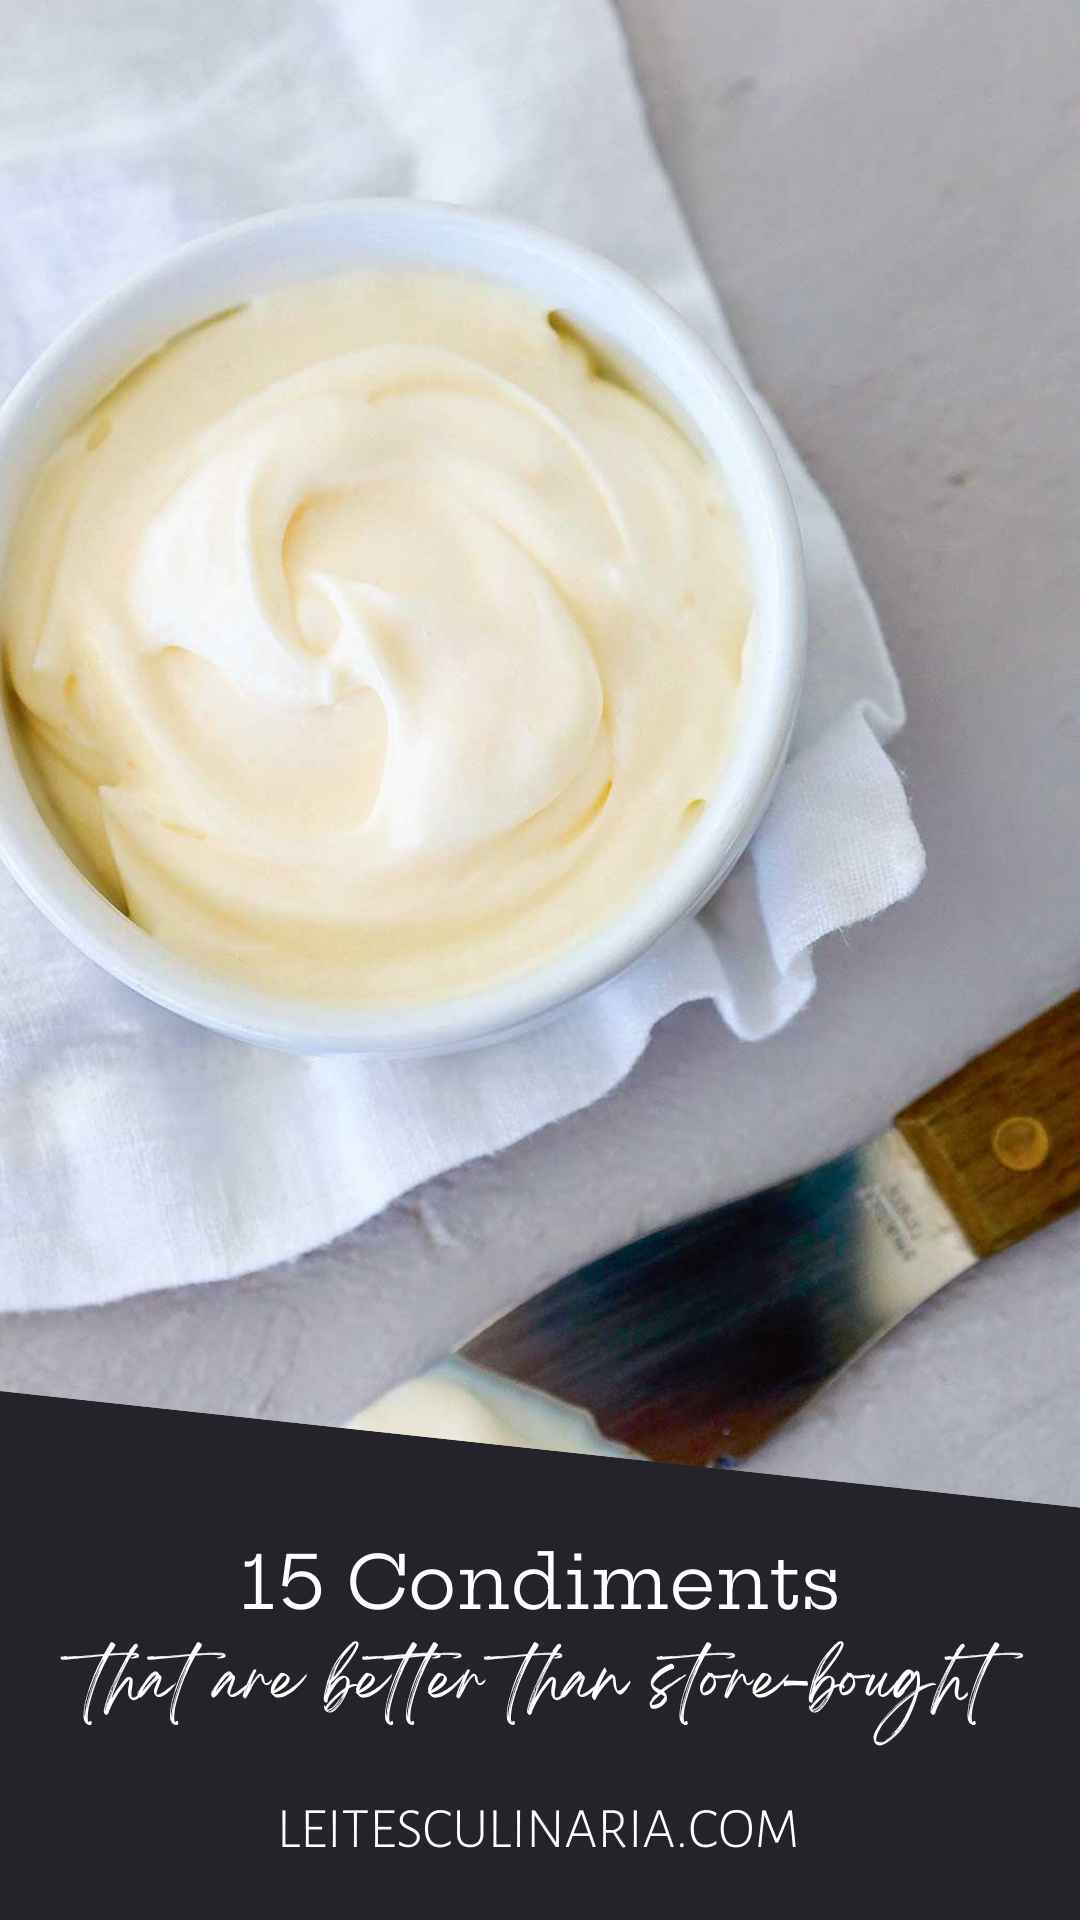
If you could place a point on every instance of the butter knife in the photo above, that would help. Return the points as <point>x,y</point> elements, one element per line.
<point>694,1344</point>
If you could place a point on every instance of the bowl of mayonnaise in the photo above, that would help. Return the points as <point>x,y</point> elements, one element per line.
<point>402,617</point>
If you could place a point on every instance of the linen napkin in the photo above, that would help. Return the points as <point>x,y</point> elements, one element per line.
<point>137,1151</point>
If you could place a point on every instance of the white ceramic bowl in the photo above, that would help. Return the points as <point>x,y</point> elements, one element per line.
<point>605,303</point>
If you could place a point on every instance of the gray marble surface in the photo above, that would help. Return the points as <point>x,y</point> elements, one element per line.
<point>889,200</point>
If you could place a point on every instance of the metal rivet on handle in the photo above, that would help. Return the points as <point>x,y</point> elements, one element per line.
<point>1021,1144</point>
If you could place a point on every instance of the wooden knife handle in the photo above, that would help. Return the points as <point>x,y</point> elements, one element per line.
<point>1001,1138</point>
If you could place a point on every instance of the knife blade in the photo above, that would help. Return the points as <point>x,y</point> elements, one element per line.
<point>693,1344</point>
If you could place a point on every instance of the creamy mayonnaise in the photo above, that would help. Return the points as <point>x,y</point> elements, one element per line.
<point>370,643</point>
<point>457,1401</point>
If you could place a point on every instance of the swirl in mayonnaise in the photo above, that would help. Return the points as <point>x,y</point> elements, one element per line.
<point>370,643</point>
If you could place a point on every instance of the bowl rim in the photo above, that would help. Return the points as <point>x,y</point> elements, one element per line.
<point>723,411</point>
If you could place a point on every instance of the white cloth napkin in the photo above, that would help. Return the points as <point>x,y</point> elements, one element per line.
<point>135,1150</point>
